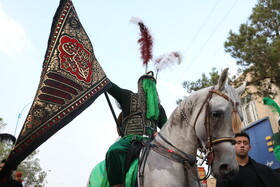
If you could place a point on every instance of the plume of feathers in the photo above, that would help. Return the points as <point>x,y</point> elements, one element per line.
<point>167,60</point>
<point>145,41</point>
<point>271,102</point>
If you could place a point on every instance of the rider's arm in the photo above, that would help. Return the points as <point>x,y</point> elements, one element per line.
<point>116,92</point>
<point>162,117</point>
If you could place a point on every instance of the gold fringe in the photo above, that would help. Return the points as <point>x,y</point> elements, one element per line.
<point>236,122</point>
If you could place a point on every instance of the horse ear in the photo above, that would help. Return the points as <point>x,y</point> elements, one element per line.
<point>223,79</point>
<point>241,88</point>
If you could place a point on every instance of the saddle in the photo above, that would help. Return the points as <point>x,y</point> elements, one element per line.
<point>134,160</point>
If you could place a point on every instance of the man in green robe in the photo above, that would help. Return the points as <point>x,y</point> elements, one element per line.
<point>141,115</point>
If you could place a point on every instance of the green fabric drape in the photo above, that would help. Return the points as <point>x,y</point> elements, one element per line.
<point>276,145</point>
<point>98,176</point>
<point>152,110</point>
<point>116,158</point>
<point>277,152</point>
<point>271,102</point>
<point>131,175</point>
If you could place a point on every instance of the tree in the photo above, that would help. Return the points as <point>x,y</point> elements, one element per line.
<point>256,47</point>
<point>2,124</point>
<point>33,175</point>
<point>202,82</point>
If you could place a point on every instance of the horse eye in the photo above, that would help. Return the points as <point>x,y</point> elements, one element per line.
<point>216,114</point>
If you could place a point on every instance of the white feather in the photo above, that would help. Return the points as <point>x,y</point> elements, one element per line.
<point>135,20</point>
<point>163,61</point>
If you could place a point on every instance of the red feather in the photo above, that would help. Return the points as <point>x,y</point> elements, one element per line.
<point>145,41</point>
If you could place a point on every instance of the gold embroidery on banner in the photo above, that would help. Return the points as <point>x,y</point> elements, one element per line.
<point>54,65</point>
<point>41,111</point>
<point>75,58</point>
<point>74,29</point>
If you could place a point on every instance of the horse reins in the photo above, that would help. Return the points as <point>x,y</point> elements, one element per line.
<point>181,156</point>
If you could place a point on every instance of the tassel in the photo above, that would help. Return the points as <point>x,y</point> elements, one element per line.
<point>236,122</point>
<point>145,41</point>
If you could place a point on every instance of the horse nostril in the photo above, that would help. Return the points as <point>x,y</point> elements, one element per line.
<point>225,169</point>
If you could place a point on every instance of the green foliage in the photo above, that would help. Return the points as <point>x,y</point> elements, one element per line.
<point>256,47</point>
<point>33,175</point>
<point>2,124</point>
<point>203,82</point>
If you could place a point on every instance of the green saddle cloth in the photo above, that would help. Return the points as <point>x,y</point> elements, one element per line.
<point>98,176</point>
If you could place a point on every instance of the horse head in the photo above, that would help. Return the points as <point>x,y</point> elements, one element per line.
<point>217,120</point>
<point>208,120</point>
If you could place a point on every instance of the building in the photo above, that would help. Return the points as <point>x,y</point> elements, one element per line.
<point>254,109</point>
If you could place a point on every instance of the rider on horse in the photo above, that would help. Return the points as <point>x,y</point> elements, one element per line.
<point>141,115</point>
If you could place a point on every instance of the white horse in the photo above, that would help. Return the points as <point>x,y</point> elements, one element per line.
<point>206,120</point>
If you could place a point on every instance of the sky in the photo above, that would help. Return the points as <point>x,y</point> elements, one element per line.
<point>198,29</point>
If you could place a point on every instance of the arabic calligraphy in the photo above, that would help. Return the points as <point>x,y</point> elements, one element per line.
<point>75,58</point>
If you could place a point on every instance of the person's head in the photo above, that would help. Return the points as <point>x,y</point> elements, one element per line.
<point>2,164</point>
<point>148,76</point>
<point>18,176</point>
<point>242,146</point>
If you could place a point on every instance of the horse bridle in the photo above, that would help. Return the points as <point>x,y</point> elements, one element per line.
<point>185,159</point>
<point>208,149</point>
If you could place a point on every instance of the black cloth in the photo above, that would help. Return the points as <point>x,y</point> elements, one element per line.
<point>11,183</point>
<point>119,155</point>
<point>125,99</point>
<point>253,174</point>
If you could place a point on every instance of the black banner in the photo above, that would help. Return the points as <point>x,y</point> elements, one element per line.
<point>71,80</point>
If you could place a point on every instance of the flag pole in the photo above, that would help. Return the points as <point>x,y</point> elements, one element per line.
<point>113,113</point>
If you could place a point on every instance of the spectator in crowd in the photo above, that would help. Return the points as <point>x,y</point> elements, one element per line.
<point>251,173</point>
<point>10,182</point>
<point>18,176</point>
